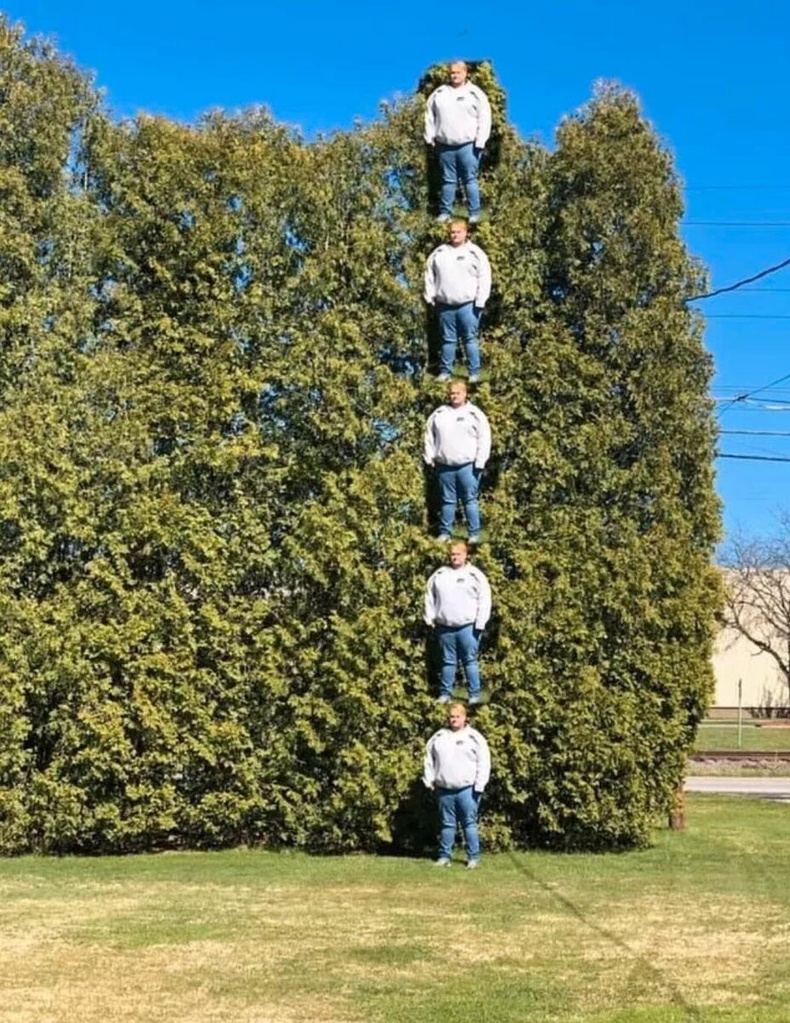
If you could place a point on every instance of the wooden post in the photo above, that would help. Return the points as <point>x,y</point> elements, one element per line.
<point>677,818</point>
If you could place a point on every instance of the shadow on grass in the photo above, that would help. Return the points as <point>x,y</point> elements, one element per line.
<point>640,962</point>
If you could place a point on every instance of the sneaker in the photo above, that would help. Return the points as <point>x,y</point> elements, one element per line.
<point>474,700</point>
<point>443,862</point>
<point>444,698</point>
<point>473,538</point>
<point>474,378</point>
<point>443,378</point>
<point>471,865</point>
<point>442,218</point>
<point>443,538</point>
<point>473,218</point>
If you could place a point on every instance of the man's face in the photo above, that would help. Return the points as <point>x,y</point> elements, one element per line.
<point>456,395</point>
<point>458,73</point>
<point>457,233</point>
<point>456,718</point>
<point>458,555</point>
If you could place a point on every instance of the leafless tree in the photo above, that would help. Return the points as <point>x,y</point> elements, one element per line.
<point>758,593</point>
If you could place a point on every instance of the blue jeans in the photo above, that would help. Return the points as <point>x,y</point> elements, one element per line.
<point>458,481</point>
<point>458,806</point>
<point>459,321</point>
<point>458,163</point>
<point>459,643</point>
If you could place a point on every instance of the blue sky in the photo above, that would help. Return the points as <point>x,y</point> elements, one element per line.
<point>712,78</point>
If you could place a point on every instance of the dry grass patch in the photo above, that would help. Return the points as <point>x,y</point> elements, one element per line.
<point>282,939</point>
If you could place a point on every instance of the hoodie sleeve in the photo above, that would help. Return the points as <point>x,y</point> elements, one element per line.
<point>429,442</point>
<point>428,766</point>
<point>483,439</point>
<point>483,278</point>
<point>430,278</point>
<point>483,120</point>
<point>430,120</point>
<point>430,602</point>
<point>483,601</point>
<point>483,761</point>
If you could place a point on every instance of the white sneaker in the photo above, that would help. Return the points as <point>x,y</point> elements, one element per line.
<point>473,865</point>
<point>444,699</point>
<point>443,862</point>
<point>443,378</point>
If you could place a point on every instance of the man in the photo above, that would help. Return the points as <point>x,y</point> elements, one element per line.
<point>458,123</point>
<point>457,445</point>
<point>458,283</point>
<point>457,607</point>
<point>457,767</point>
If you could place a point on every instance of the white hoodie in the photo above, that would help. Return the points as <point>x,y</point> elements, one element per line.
<point>457,115</point>
<point>456,760</point>
<point>457,436</point>
<point>457,274</point>
<point>458,596</point>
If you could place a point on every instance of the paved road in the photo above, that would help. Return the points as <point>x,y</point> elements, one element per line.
<point>764,788</point>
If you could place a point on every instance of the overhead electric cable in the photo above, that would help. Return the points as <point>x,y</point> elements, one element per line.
<point>737,188</point>
<point>750,394</point>
<point>735,223</point>
<point>758,433</point>
<point>746,280</point>
<point>752,458</point>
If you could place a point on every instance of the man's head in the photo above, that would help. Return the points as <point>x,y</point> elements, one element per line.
<point>457,232</point>
<point>456,393</point>
<point>456,715</point>
<point>458,72</point>
<point>458,553</point>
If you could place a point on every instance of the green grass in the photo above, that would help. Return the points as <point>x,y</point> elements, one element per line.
<point>719,736</point>
<point>694,928</point>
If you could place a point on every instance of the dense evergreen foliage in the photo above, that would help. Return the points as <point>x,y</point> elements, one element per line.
<point>213,535</point>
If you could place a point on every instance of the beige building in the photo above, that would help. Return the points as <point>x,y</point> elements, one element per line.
<point>765,595</point>
<point>734,659</point>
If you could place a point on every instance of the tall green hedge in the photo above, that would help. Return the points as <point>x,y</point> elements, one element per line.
<point>213,534</point>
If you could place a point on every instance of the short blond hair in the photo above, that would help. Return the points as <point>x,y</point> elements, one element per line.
<point>456,705</point>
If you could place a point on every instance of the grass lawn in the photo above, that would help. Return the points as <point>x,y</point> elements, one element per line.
<point>721,736</point>
<point>696,928</point>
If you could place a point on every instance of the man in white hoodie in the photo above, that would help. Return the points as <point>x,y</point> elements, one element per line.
<point>457,444</point>
<point>458,123</point>
<point>457,285</point>
<point>457,607</point>
<point>457,767</point>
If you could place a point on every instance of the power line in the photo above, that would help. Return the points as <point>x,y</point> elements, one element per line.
<point>735,223</point>
<point>752,458</point>
<point>758,433</point>
<point>737,188</point>
<point>737,390</point>
<point>746,316</point>
<point>746,280</point>
<point>756,390</point>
